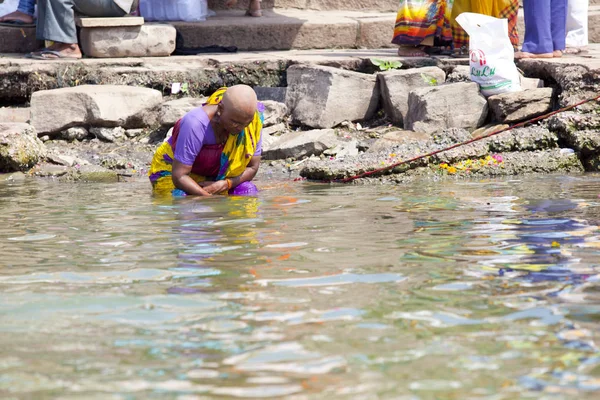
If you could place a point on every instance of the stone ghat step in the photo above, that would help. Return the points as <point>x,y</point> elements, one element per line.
<point>279,29</point>
<point>321,5</point>
<point>283,29</point>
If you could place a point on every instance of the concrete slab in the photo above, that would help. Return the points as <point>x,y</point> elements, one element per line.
<point>87,22</point>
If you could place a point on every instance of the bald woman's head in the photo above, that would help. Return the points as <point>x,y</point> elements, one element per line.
<point>238,107</point>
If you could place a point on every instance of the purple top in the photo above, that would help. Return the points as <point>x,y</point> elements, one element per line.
<point>195,131</point>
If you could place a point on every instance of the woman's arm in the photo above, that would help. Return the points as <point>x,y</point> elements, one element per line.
<point>182,180</point>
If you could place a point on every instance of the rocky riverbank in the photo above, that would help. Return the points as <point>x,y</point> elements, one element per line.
<point>326,118</point>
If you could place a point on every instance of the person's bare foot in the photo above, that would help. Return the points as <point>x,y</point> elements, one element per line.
<point>17,16</point>
<point>519,55</point>
<point>412,51</point>
<point>557,53</point>
<point>58,51</point>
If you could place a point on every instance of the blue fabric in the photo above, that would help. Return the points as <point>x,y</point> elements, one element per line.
<point>545,25</point>
<point>26,7</point>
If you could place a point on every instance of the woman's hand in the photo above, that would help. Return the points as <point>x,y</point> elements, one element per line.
<point>217,187</point>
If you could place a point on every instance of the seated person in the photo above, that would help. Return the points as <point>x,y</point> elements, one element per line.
<point>214,149</point>
<point>56,22</point>
<point>23,16</point>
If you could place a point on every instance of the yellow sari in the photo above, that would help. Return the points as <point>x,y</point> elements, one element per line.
<point>508,9</point>
<point>236,156</point>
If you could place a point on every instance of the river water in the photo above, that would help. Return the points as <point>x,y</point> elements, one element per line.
<point>451,290</point>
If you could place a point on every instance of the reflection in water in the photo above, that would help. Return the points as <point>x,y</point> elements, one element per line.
<point>479,290</point>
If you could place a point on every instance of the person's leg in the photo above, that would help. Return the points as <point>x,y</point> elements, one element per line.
<point>98,8</point>
<point>24,12</point>
<point>558,26</point>
<point>538,35</point>
<point>56,21</point>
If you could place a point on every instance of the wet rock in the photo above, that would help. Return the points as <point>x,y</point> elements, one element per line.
<point>581,132</point>
<point>148,40</point>
<point>523,139</point>
<point>95,105</point>
<point>50,170</point>
<point>277,94</point>
<point>322,97</point>
<point>302,144</point>
<point>592,163</point>
<point>396,85</point>
<point>389,141</point>
<point>109,134</point>
<point>544,161</point>
<point>13,177</point>
<point>91,173</point>
<point>171,111</point>
<point>460,73</point>
<point>455,105</point>
<point>20,147</point>
<point>343,149</point>
<point>520,106</point>
<point>74,133</point>
<point>62,159</point>
<point>274,113</point>
<point>133,133</point>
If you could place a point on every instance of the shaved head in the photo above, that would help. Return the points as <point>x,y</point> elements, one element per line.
<point>241,99</point>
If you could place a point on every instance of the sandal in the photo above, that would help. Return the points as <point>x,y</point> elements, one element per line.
<point>256,12</point>
<point>47,54</point>
<point>412,51</point>
<point>461,52</point>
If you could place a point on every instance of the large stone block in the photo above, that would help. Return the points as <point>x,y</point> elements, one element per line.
<point>455,105</point>
<point>172,110</point>
<point>92,105</point>
<point>20,147</point>
<point>322,97</point>
<point>275,112</point>
<point>519,106</point>
<point>301,144</point>
<point>148,40</point>
<point>374,32</point>
<point>396,85</point>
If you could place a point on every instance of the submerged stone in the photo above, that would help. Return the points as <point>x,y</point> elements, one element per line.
<point>20,147</point>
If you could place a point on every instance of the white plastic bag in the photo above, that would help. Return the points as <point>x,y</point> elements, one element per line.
<point>174,10</point>
<point>8,6</point>
<point>491,54</point>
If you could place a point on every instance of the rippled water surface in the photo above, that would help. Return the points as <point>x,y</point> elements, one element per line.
<point>462,290</point>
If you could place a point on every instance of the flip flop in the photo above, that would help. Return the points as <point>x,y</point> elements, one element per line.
<point>41,55</point>
<point>16,23</point>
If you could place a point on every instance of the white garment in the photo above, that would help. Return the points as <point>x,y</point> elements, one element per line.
<point>577,23</point>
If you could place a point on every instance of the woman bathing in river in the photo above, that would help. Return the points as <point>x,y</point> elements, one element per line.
<point>214,149</point>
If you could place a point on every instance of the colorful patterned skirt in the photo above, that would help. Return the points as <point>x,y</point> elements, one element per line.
<point>418,20</point>
<point>508,9</point>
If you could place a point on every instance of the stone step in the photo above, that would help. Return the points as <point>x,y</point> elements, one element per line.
<point>283,29</point>
<point>320,5</point>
